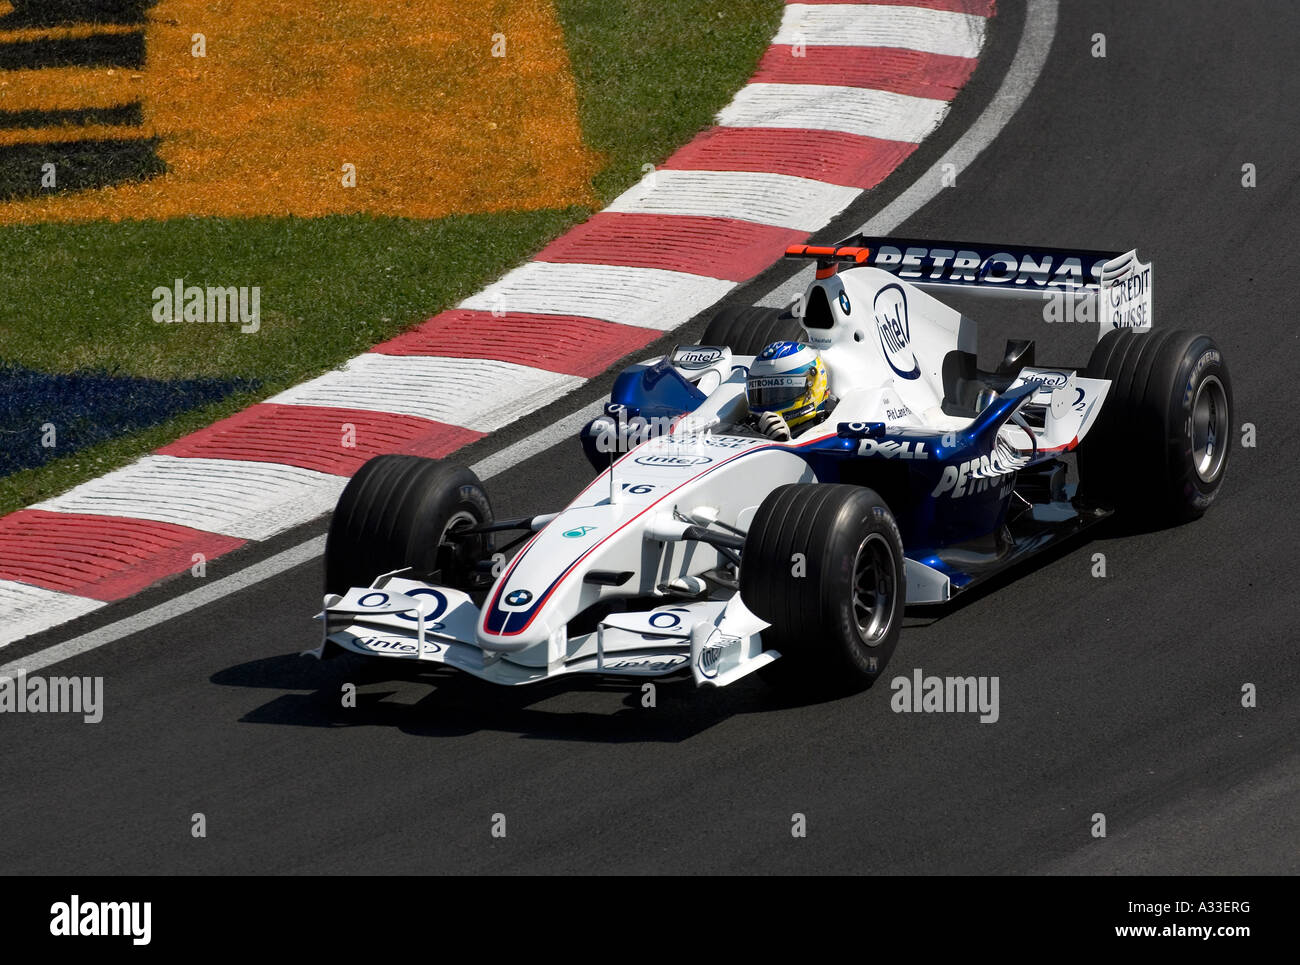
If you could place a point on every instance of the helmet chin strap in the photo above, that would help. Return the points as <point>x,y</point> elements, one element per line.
<point>816,413</point>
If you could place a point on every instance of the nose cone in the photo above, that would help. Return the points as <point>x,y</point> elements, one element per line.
<point>513,618</point>
<point>541,589</point>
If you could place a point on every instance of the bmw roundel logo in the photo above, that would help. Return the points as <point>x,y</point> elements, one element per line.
<point>518,597</point>
<point>779,350</point>
<point>844,301</point>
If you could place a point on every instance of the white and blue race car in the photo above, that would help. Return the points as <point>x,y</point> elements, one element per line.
<point>703,545</point>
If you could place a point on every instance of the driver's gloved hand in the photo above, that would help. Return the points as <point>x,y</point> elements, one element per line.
<point>772,425</point>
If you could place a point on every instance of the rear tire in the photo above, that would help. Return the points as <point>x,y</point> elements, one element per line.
<point>747,331</point>
<point>396,512</point>
<point>835,617</point>
<point>1159,448</point>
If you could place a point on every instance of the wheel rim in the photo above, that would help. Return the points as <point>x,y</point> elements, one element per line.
<point>460,520</point>
<point>452,552</point>
<point>874,589</point>
<point>1209,429</point>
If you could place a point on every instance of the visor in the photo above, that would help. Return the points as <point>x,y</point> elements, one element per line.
<point>777,391</point>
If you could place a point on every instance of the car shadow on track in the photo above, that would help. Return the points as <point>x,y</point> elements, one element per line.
<point>446,703</point>
<point>1105,532</point>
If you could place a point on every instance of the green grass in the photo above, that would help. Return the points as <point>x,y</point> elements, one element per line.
<point>651,74</point>
<point>78,296</point>
<point>331,287</point>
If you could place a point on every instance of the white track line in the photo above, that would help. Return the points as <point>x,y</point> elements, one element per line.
<point>1031,54</point>
<point>538,442</point>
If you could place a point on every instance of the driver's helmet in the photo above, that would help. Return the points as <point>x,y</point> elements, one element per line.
<point>789,378</point>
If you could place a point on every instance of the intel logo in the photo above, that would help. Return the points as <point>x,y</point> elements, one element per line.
<point>895,330</point>
<point>697,358</point>
<point>390,646</point>
<point>672,462</point>
<point>1048,380</point>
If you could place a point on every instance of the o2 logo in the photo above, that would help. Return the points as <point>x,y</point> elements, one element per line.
<point>378,599</point>
<point>666,619</point>
<point>439,608</point>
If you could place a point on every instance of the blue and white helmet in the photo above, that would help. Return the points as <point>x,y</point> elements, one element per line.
<point>789,378</point>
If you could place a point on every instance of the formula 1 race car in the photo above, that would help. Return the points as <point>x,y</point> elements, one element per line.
<point>704,544</point>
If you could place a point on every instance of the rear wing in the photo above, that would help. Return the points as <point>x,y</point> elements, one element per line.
<point>1109,287</point>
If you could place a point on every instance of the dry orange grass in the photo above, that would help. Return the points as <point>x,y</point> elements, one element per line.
<point>407,91</point>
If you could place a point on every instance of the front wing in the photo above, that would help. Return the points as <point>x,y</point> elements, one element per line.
<point>718,640</point>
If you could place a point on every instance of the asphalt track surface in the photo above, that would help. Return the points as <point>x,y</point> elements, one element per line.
<point>1119,696</point>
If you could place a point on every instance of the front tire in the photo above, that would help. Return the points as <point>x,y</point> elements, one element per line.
<point>1159,449</point>
<point>823,564</point>
<point>398,511</point>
